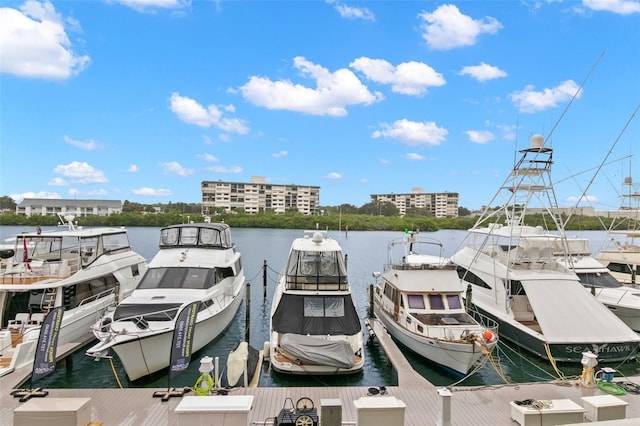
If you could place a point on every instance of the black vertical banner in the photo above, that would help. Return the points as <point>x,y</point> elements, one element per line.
<point>44,361</point>
<point>183,339</point>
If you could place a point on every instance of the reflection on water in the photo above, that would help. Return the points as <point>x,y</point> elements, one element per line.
<point>366,252</point>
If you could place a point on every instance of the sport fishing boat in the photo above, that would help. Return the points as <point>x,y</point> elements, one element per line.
<point>195,262</point>
<point>315,328</point>
<point>517,279</point>
<point>83,270</point>
<point>419,301</point>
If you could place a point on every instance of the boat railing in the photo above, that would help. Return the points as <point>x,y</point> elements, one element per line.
<point>311,283</point>
<point>97,296</point>
<point>37,270</point>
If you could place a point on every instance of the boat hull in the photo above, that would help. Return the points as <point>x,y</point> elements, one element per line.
<point>458,357</point>
<point>146,355</point>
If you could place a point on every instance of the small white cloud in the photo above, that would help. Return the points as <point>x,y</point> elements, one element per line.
<point>585,199</point>
<point>80,173</point>
<point>334,175</point>
<point>334,91</point>
<point>150,5</point>
<point>208,157</point>
<point>280,154</point>
<point>191,112</point>
<point>384,161</point>
<point>621,7</point>
<point>412,156</point>
<point>447,28</point>
<point>350,12</point>
<point>146,191</point>
<point>18,198</point>
<point>483,72</point>
<point>89,145</point>
<point>57,182</point>
<point>530,101</point>
<point>34,43</point>
<point>480,136</point>
<point>224,169</point>
<point>133,168</point>
<point>364,180</point>
<point>408,78</point>
<point>175,168</point>
<point>412,132</point>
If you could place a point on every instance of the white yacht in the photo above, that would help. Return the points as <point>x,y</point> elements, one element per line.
<point>315,328</point>
<point>195,262</point>
<point>419,301</point>
<point>517,280</point>
<point>84,270</point>
<point>622,253</point>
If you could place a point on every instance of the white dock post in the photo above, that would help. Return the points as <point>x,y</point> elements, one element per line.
<point>445,407</point>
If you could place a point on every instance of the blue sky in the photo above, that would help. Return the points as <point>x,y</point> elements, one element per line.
<point>142,100</point>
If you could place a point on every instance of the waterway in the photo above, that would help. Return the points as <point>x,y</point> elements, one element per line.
<point>366,252</point>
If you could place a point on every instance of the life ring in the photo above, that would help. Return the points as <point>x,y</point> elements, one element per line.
<point>611,388</point>
<point>203,385</point>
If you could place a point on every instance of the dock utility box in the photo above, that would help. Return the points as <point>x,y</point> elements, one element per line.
<point>53,412</point>
<point>604,407</point>
<point>380,410</point>
<point>547,413</point>
<point>216,410</point>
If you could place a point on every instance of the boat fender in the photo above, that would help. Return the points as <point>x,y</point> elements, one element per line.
<point>488,335</point>
<point>203,385</point>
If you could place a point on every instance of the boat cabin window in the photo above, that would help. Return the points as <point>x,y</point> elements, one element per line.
<point>330,307</point>
<point>436,302</point>
<point>468,276</point>
<point>193,278</point>
<point>189,236</point>
<point>88,291</point>
<point>416,301</point>
<point>598,279</point>
<point>114,242</point>
<point>453,300</point>
<point>619,267</point>
<point>169,236</point>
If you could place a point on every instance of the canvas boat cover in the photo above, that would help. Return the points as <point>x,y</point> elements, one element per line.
<point>567,313</point>
<point>318,350</point>
<point>235,364</point>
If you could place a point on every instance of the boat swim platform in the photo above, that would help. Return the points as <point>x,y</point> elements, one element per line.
<point>473,406</point>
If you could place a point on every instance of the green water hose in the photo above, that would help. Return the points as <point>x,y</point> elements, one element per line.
<point>611,388</point>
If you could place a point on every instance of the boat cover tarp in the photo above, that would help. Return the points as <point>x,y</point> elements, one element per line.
<point>316,315</point>
<point>567,313</point>
<point>235,364</point>
<point>318,350</point>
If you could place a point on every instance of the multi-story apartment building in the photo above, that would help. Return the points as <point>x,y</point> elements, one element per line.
<point>257,196</point>
<point>78,208</point>
<point>440,204</point>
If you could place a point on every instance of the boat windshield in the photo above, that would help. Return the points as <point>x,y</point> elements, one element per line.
<point>598,279</point>
<point>188,278</point>
<point>209,235</point>
<point>316,267</point>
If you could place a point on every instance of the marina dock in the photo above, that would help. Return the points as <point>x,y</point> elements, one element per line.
<point>474,406</point>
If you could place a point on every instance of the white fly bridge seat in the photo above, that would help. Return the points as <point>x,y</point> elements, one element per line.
<point>36,319</point>
<point>19,322</point>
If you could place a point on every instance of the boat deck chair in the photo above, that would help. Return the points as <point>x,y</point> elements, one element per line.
<point>19,322</point>
<point>36,319</point>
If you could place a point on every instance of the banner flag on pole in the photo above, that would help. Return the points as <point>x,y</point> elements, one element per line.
<point>44,361</point>
<point>183,339</point>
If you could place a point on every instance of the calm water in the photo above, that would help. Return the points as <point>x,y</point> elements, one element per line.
<point>366,252</point>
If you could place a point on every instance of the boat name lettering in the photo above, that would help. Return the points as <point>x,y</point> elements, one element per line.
<point>606,349</point>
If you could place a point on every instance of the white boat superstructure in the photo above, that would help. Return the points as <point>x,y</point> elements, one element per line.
<point>420,304</point>
<point>84,270</point>
<point>622,255</point>
<point>517,280</point>
<point>314,327</point>
<point>195,262</point>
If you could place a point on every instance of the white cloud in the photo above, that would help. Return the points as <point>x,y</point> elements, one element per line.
<point>334,91</point>
<point>81,173</point>
<point>89,145</point>
<point>351,12</point>
<point>147,5</point>
<point>483,72</point>
<point>334,175</point>
<point>384,161</point>
<point>57,182</point>
<point>409,78</point>
<point>480,136</point>
<point>412,132</point>
<point>280,154</point>
<point>447,28</point>
<point>190,111</point>
<point>133,168</point>
<point>577,200</point>
<point>224,169</point>
<point>208,157</point>
<point>18,198</point>
<point>528,100</point>
<point>34,43</point>
<point>414,156</point>
<point>622,7</point>
<point>175,168</point>
<point>146,191</point>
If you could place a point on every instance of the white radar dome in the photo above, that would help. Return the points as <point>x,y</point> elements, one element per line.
<point>537,141</point>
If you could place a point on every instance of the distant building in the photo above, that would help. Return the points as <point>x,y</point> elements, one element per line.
<point>441,204</point>
<point>259,196</point>
<point>51,207</point>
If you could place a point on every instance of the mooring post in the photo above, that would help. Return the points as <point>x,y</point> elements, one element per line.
<point>264,278</point>
<point>445,407</point>
<point>247,317</point>
<point>370,310</point>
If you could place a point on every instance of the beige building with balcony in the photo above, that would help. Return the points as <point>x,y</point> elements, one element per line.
<point>440,204</point>
<point>259,196</point>
<point>52,207</point>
